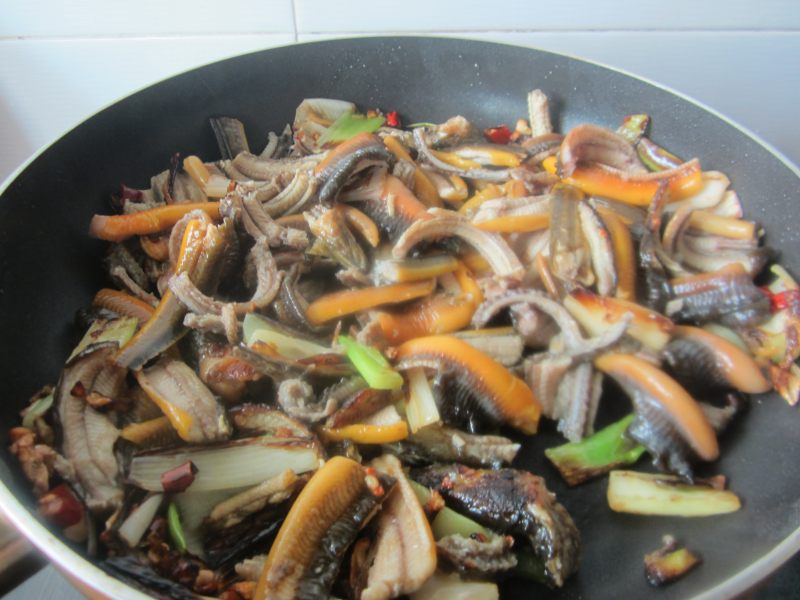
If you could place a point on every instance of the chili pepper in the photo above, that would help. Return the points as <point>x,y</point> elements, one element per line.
<point>60,506</point>
<point>498,135</point>
<point>787,299</point>
<point>393,119</point>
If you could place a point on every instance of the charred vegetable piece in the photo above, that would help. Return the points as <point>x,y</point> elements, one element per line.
<point>347,302</point>
<point>666,495</point>
<point>709,361</point>
<point>228,465</point>
<point>669,422</point>
<point>404,551</point>
<point>118,331</point>
<point>511,502</point>
<point>324,520</point>
<point>668,563</point>
<point>120,227</point>
<point>371,365</point>
<point>597,454</point>
<point>257,329</point>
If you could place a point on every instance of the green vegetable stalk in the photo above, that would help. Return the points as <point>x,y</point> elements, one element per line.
<point>349,125</point>
<point>447,521</point>
<point>176,528</point>
<point>597,454</point>
<point>118,330</point>
<point>371,365</point>
<point>654,157</point>
<point>38,409</point>
<point>633,127</point>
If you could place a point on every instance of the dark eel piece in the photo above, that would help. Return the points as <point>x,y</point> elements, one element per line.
<point>513,502</point>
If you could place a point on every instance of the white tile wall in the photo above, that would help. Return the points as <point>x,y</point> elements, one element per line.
<point>319,16</point>
<point>49,85</point>
<point>105,18</point>
<point>61,61</point>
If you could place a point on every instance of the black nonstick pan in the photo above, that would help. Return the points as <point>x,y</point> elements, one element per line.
<point>49,267</point>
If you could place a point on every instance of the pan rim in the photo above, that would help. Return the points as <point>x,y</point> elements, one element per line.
<point>74,563</point>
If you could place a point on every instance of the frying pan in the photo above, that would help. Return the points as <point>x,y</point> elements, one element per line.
<point>49,268</point>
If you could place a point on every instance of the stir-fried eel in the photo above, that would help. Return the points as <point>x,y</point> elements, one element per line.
<point>513,502</point>
<point>333,506</point>
<point>356,289</point>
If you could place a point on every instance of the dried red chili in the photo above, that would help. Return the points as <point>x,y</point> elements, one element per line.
<point>178,479</point>
<point>498,135</point>
<point>61,507</point>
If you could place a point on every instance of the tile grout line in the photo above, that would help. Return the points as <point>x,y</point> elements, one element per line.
<point>295,33</point>
<point>294,20</point>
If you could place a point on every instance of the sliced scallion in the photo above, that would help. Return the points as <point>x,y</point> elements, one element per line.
<point>36,410</point>
<point>597,454</point>
<point>371,365</point>
<point>175,528</point>
<point>349,125</point>
<point>256,329</point>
